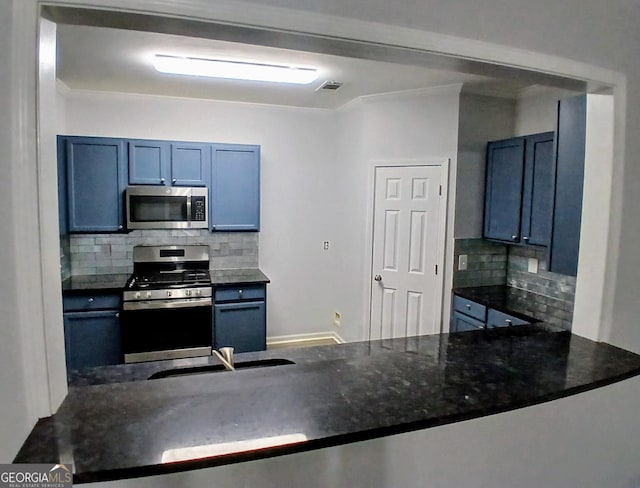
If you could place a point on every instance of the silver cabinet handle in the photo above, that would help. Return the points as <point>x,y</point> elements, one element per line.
<point>377,278</point>
<point>525,238</point>
<point>173,180</point>
<point>240,292</point>
<point>117,314</point>
<point>515,238</point>
<point>509,322</point>
<point>91,300</point>
<point>162,180</point>
<point>119,227</point>
<point>468,307</point>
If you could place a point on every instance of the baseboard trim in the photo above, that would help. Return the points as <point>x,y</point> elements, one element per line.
<point>300,338</point>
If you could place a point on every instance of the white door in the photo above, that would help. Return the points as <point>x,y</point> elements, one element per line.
<point>408,236</point>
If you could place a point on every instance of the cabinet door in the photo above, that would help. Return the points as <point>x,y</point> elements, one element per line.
<point>462,322</point>
<point>96,180</point>
<point>148,162</point>
<point>240,325</point>
<point>503,194</point>
<point>569,173</point>
<point>189,164</point>
<point>92,339</point>
<point>537,204</point>
<point>235,188</point>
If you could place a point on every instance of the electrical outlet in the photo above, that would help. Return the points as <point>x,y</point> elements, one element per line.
<point>533,265</point>
<point>325,245</point>
<point>462,262</point>
<point>337,319</point>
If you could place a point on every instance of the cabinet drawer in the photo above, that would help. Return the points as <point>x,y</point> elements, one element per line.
<point>500,319</point>
<point>467,307</point>
<point>98,301</point>
<point>462,322</point>
<point>236,293</point>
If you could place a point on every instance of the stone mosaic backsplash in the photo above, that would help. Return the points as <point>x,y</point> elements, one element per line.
<point>96,254</point>
<point>553,294</point>
<point>547,296</point>
<point>486,263</point>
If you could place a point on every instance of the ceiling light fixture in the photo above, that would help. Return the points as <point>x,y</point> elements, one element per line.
<point>237,70</point>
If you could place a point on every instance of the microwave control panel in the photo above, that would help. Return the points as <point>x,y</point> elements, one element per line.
<point>198,212</point>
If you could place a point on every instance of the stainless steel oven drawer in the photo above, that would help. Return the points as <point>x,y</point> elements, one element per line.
<point>237,293</point>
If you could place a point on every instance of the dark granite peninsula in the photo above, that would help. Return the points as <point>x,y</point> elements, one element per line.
<point>238,276</point>
<point>331,395</point>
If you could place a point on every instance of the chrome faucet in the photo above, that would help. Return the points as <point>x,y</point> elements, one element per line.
<point>225,356</point>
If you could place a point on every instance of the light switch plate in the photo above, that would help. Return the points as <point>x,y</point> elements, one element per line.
<point>533,265</point>
<point>462,262</point>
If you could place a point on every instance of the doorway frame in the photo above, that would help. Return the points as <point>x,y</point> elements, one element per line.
<point>444,164</point>
<point>24,90</point>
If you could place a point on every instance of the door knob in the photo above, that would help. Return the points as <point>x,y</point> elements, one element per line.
<point>377,278</point>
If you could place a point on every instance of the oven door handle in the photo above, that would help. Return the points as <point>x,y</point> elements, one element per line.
<point>156,304</point>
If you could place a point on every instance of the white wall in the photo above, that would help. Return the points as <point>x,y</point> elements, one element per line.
<point>482,119</point>
<point>415,126</point>
<point>602,34</point>
<point>298,172</point>
<point>315,182</point>
<point>537,110</point>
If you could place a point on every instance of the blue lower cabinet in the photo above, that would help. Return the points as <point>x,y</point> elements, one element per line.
<point>240,317</point>
<point>240,325</point>
<point>92,339</point>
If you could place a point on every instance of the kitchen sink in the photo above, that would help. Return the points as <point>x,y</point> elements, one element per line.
<point>217,368</point>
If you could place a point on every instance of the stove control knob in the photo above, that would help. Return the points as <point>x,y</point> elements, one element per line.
<point>187,293</point>
<point>148,294</point>
<point>168,293</point>
<point>198,292</point>
<point>137,295</point>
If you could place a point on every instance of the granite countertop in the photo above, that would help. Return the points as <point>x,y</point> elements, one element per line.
<point>239,276</point>
<point>330,396</point>
<point>503,298</point>
<point>107,283</point>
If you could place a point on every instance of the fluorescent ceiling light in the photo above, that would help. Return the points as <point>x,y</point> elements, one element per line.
<point>237,70</point>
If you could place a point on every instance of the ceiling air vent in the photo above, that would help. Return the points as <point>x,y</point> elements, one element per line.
<point>330,85</point>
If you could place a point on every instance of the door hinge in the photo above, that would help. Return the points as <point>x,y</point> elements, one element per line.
<point>440,190</point>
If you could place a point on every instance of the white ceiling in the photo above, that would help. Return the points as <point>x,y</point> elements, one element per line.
<point>106,59</point>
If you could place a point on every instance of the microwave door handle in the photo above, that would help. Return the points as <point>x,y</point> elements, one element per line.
<point>189,209</point>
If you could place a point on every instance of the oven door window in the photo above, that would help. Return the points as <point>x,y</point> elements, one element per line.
<point>147,208</point>
<point>166,329</point>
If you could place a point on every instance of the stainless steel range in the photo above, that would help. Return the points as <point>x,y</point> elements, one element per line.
<point>166,311</point>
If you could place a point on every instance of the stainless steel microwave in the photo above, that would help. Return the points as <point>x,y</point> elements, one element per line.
<point>162,207</point>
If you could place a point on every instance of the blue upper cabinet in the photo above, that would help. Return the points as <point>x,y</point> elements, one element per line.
<point>190,164</point>
<point>503,193</point>
<point>537,201</point>
<point>148,162</point>
<point>569,174</point>
<point>519,191</point>
<point>95,181</point>
<point>234,193</point>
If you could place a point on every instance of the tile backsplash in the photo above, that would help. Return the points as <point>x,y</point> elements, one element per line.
<point>486,263</point>
<point>95,254</point>
<point>547,296</point>
<point>553,293</point>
